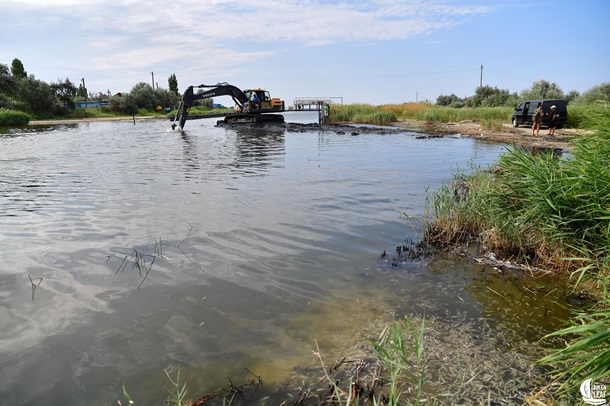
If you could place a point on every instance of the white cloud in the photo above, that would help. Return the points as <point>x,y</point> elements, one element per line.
<point>60,38</point>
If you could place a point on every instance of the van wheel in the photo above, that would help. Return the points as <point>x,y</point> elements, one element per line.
<point>515,123</point>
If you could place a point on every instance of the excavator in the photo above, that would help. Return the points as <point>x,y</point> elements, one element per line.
<point>251,105</point>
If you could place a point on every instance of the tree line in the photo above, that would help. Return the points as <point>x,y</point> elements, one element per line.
<point>487,96</point>
<point>22,92</point>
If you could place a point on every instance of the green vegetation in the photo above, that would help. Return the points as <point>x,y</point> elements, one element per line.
<point>490,106</point>
<point>400,348</point>
<point>40,100</point>
<point>490,118</point>
<point>551,212</point>
<point>362,113</point>
<point>13,118</point>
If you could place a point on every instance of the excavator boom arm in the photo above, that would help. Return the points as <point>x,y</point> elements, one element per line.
<point>220,89</point>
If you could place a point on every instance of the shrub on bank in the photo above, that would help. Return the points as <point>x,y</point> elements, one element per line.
<point>13,118</point>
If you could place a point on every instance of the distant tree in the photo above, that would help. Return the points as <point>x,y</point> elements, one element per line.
<point>598,93</point>
<point>144,96</point>
<point>38,97</point>
<point>573,95</point>
<point>487,96</point>
<point>65,91</point>
<point>450,100</point>
<point>123,104</point>
<point>163,98</point>
<point>18,70</point>
<point>542,89</point>
<point>173,83</point>
<point>8,83</point>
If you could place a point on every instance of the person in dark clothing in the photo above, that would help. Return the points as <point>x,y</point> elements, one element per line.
<point>552,120</point>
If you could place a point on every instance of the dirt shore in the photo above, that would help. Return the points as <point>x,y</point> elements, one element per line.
<point>521,136</point>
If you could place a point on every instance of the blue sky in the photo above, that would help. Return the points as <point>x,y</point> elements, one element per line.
<point>375,51</point>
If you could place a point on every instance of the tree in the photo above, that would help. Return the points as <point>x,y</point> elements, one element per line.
<point>8,83</point>
<point>173,83</point>
<point>542,89</point>
<point>123,104</point>
<point>38,97</point>
<point>144,96</point>
<point>573,95</point>
<point>450,100</point>
<point>595,94</point>
<point>65,91</point>
<point>487,96</point>
<point>17,69</point>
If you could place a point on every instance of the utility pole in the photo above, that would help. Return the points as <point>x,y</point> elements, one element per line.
<point>481,82</point>
<point>85,91</point>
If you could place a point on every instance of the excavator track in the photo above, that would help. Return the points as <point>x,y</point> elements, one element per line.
<point>252,119</point>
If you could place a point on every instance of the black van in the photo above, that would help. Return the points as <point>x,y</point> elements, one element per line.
<point>524,112</point>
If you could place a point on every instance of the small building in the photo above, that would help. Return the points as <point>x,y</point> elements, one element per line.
<point>91,104</point>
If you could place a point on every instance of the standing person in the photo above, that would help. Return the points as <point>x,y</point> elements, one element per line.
<point>537,117</point>
<point>552,120</point>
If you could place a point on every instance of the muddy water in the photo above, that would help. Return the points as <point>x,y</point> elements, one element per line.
<point>220,249</point>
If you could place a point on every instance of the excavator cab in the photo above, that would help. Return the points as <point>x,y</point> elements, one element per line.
<point>262,101</point>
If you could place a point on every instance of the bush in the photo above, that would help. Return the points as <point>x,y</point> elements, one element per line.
<point>13,118</point>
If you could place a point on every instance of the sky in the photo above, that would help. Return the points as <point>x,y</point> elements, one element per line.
<point>355,51</point>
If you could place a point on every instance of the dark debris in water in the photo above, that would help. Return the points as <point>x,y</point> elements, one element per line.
<point>409,251</point>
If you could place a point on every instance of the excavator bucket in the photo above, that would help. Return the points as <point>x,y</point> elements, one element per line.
<point>183,109</point>
<point>180,117</point>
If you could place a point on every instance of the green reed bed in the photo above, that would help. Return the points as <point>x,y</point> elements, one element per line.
<point>361,114</point>
<point>549,211</point>
<point>491,117</point>
<point>453,115</point>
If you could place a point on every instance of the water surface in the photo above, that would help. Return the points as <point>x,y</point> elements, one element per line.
<point>221,249</point>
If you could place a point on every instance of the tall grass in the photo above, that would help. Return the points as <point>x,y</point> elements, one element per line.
<point>491,118</point>
<point>362,113</point>
<point>400,347</point>
<point>549,211</point>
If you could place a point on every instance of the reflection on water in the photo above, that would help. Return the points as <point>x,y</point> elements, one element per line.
<point>219,249</point>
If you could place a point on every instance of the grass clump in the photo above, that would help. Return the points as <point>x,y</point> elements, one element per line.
<point>548,211</point>
<point>538,205</point>
<point>400,348</point>
<point>13,118</point>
